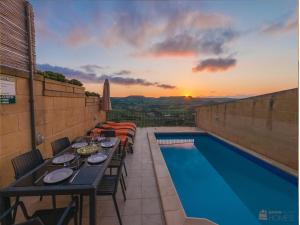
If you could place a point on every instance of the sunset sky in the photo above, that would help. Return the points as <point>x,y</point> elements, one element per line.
<point>164,48</point>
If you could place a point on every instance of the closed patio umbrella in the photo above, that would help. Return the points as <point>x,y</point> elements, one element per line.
<point>106,104</point>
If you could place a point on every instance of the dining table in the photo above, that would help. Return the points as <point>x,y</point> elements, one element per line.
<point>84,180</point>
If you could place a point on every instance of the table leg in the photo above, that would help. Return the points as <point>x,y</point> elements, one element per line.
<point>5,205</point>
<point>93,208</point>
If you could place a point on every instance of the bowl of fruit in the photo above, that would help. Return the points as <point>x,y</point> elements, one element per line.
<point>88,150</point>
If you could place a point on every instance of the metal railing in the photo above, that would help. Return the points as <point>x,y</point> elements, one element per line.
<point>154,118</point>
<point>174,141</point>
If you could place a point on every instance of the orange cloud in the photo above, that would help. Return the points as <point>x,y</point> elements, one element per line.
<point>189,44</point>
<point>195,20</point>
<point>170,54</point>
<point>78,36</point>
<point>214,65</point>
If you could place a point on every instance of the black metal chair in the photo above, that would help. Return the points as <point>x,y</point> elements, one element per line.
<point>118,159</point>
<point>59,216</point>
<point>109,186</point>
<point>108,133</point>
<point>25,163</point>
<point>59,145</point>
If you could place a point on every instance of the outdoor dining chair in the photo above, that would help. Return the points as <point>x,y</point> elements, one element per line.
<point>59,145</point>
<point>118,161</point>
<point>109,186</point>
<point>58,216</point>
<point>25,163</point>
<point>108,133</point>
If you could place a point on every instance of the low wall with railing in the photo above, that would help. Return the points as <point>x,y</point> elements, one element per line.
<point>61,109</point>
<point>154,118</point>
<point>266,124</point>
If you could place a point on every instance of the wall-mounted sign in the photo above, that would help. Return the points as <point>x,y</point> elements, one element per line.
<point>7,90</point>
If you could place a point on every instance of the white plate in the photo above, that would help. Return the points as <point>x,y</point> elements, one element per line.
<point>63,158</point>
<point>79,144</point>
<point>99,139</point>
<point>58,175</point>
<point>107,144</point>
<point>97,158</point>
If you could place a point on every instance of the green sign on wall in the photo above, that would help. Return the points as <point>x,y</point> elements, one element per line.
<point>7,89</point>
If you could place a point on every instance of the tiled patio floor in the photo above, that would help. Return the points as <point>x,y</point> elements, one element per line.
<point>142,206</point>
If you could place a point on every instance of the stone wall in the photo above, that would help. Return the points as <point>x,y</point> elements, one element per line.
<point>266,124</point>
<point>61,110</point>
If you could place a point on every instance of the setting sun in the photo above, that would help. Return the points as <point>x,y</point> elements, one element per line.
<point>187,94</point>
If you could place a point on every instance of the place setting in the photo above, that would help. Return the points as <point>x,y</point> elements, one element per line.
<point>89,154</point>
<point>108,142</point>
<point>61,168</point>
<point>58,175</point>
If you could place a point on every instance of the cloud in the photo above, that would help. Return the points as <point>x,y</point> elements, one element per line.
<point>166,86</point>
<point>139,29</point>
<point>179,45</point>
<point>132,28</point>
<point>160,30</point>
<point>212,41</point>
<point>123,72</point>
<point>281,26</point>
<point>78,36</point>
<point>192,19</point>
<point>91,67</point>
<point>93,77</point>
<point>215,65</point>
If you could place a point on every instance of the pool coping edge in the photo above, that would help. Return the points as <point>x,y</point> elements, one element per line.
<point>173,210</point>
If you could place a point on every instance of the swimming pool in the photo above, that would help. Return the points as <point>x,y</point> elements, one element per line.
<point>220,182</point>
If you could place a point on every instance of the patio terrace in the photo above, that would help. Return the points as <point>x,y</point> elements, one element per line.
<point>142,206</point>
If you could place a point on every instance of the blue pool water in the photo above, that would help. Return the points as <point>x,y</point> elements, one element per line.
<point>217,181</point>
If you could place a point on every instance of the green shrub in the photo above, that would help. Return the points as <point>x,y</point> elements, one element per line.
<point>53,76</point>
<point>88,93</point>
<point>58,77</point>
<point>75,82</point>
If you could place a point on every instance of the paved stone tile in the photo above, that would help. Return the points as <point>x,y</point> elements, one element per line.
<point>133,207</point>
<point>149,192</point>
<point>134,182</point>
<point>134,192</point>
<point>154,219</point>
<point>151,206</point>
<point>107,208</point>
<point>111,220</point>
<point>132,220</point>
<point>148,181</point>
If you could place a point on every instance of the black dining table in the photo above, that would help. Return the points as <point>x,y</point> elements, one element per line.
<point>84,181</point>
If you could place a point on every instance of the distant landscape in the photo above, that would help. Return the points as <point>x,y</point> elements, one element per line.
<point>162,111</point>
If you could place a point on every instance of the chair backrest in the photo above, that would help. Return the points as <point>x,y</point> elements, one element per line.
<point>26,162</point>
<point>125,145</point>
<point>122,148</point>
<point>108,133</point>
<point>59,145</point>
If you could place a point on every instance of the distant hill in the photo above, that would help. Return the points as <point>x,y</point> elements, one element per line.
<point>142,103</point>
<point>162,111</point>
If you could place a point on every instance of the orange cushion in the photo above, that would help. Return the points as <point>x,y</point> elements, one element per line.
<point>121,123</point>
